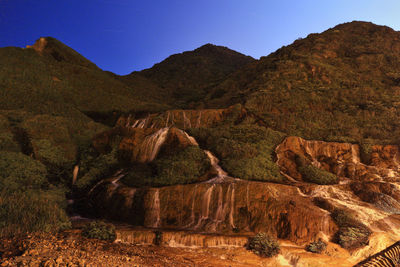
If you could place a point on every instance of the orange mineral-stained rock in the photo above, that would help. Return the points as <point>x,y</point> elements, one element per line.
<point>342,159</point>
<point>183,119</point>
<point>240,206</point>
<point>143,144</point>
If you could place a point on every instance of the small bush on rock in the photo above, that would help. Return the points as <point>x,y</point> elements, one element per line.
<point>264,245</point>
<point>99,230</point>
<point>316,247</point>
<point>352,233</point>
<point>353,237</point>
<point>313,174</point>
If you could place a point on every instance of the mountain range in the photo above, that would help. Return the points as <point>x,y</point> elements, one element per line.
<point>316,120</point>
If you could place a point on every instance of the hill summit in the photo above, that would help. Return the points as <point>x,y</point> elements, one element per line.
<point>187,77</point>
<point>341,84</point>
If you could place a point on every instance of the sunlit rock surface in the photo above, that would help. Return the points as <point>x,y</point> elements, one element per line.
<point>240,206</point>
<point>342,159</point>
<point>224,211</point>
<point>182,119</point>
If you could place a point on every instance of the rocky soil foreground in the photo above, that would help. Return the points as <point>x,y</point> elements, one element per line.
<point>70,249</point>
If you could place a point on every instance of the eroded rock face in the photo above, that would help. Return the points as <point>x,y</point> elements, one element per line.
<point>183,119</point>
<point>143,144</point>
<point>39,45</point>
<point>300,212</point>
<point>342,159</point>
<point>239,206</point>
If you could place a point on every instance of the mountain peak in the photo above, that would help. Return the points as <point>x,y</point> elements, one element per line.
<point>362,26</point>
<point>39,45</point>
<point>189,75</point>
<point>59,51</point>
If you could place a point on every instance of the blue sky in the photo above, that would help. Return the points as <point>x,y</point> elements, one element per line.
<point>126,35</point>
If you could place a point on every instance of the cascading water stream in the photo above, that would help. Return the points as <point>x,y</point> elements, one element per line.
<point>199,120</point>
<point>365,212</point>
<point>222,176</point>
<point>205,207</point>
<point>186,121</point>
<point>354,155</point>
<point>153,219</point>
<point>192,215</point>
<point>205,214</point>
<point>75,174</point>
<point>129,200</point>
<point>114,180</point>
<point>151,145</point>
<point>232,209</point>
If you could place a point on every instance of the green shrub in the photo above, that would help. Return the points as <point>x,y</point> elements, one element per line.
<point>245,151</point>
<point>316,175</point>
<point>264,245</point>
<point>32,211</point>
<point>7,142</point>
<point>99,230</point>
<point>185,166</point>
<point>19,172</point>
<point>353,237</point>
<point>181,167</point>
<point>94,168</point>
<point>48,152</point>
<point>158,238</point>
<point>351,233</point>
<point>28,203</point>
<point>316,247</point>
<point>366,150</point>
<point>4,124</point>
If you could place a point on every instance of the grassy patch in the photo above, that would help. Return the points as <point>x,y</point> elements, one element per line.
<point>19,172</point>
<point>28,202</point>
<point>95,167</point>
<point>316,175</point>
<point>32,211</point>
<point>245,151</point>
<point>181,167</point>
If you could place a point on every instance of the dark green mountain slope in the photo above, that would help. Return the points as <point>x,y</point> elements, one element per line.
<point>188,76</point>
<point>342,84</point>
<point>51,78</point>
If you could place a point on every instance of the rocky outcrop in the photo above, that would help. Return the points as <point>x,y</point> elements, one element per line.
<point>140,140</point>
<point>300,212</point>
<point>143,145</point>
<point>39,45</point>
<point>342,159</point>
<point>239,206</point>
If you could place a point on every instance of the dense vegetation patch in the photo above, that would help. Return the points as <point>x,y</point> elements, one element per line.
<point>246,151</point>
<point>27,201</point>
<point>169,168</point>
<point>99,230</point>
<point>351,233</point>
<point>313,174</point>
<point>264,245</point>
<point>94,167</point>
<point>61,82</point>
<point>341,84</point>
